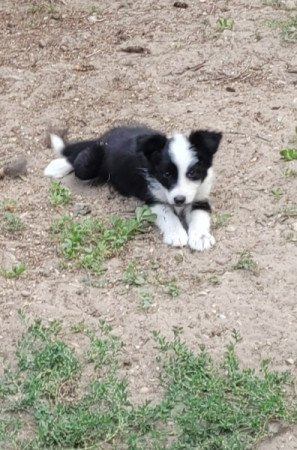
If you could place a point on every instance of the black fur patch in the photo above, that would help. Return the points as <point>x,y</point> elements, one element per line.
<point>204,206</point>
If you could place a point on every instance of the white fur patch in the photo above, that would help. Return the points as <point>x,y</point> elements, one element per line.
<point>199,230</point>
<point>183,157</point>
<point>170,226</point>
<point>58,168</point>
<point>157,189</point>
<point>57,144</point>
<point>205,187</point>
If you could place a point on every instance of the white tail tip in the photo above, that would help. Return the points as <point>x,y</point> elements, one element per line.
<point>57,144</point>
<point>58,168</point>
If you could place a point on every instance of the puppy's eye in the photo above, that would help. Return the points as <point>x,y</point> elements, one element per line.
<point>167,175</point>
<point>192,173</point>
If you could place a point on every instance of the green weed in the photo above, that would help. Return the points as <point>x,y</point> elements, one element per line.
<point>132,276</point>
<point>288,28</point>
<point>66,401</point>
<point>221,219</point>
<point>214,280</point>
<point>172,289</point>
<point>89,241</point>
<point>289,33</point>
<point>10,221</point>
<point>277,193</point>
<point>288,154</point>
<point>225,24</point>
<point>290,173</point>
<point>288,211</point>
<point>59,195</point>
<point>291,237</point>
<point>14,272</point>
<point>39,8</point>
<point>246,262</point>
<point>145,299</point>
<point>169,285</point>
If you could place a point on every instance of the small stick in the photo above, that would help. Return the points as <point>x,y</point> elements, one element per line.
<point>194,68</point>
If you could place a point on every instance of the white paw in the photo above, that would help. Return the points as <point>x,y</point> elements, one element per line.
<point>201,242</point>
<point>176,237</point>
<point>58,168</point>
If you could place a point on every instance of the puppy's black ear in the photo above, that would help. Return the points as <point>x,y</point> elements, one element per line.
<point>151,145</point>
<point>206,141</point>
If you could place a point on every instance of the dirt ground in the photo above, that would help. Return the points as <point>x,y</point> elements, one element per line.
<point>62,64</point>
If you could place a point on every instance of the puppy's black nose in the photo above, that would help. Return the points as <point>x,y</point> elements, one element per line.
<point>179,200</point>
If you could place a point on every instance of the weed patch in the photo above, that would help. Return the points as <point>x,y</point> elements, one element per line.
<point>14,272</point>
<point>221,219</point>
<point>10,221</point>
<point>288,212</point>
<point>290,173</point>
<point>288,154</point>
<point>89,241</point>
<point>225,24</point>
<point>132,276</point>
<point>288,28</point>
<point>277,193</point>
<point>205,404</point>
<point>246,262</point>
<point>59,195</point>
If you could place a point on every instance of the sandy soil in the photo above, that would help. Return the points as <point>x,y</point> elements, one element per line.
<point>64,66</point>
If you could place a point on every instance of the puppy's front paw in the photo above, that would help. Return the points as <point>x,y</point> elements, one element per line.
<point>201,242</point>
<point>176,237</point>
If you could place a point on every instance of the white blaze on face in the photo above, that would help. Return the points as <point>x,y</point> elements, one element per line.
<point>183,157</point>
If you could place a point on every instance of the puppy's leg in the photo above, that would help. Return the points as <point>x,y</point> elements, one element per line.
<point>170,226</point>
<point>88,163</point>
<point>198,219</point>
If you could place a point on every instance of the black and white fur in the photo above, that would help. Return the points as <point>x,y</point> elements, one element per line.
<point>173,175</point>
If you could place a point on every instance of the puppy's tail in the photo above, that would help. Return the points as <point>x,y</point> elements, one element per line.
<point>58,167</point>
<point>57,144</point>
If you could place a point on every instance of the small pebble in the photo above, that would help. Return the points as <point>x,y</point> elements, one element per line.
<point>25,294</point>
<point>92,19</point>
<point>290,361</point>
<point>274,427</point>
<point>144,390</point>
<point>79,209</point>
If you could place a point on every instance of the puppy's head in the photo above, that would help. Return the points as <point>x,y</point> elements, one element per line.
<point>180,167</point>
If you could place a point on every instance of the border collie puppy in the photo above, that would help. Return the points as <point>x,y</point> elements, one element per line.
<point>173,175</point>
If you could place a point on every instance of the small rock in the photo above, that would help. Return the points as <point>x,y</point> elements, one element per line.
<point>230,229</point>
<point>92,19</point>
<point>41,43</point>
<point>290,361</point>
<point>182,5</point>
<point>222,261</point>
<point>179,258</point>
<point>79,209</point>
<point>294,226</point>
<point>127,363</point>
<point>144,390</point>
<point>25,294</point>
<point>274,427</point>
